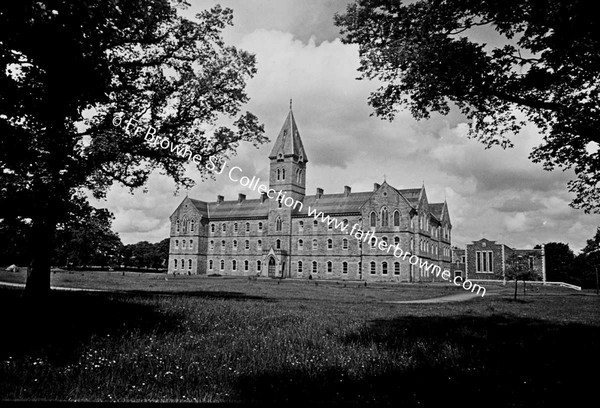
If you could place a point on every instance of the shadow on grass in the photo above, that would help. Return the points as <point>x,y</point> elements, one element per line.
<point>59,328</point>
<point>472,361</point>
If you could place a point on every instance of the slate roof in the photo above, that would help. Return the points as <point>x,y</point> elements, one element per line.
<point>437,210</point>
<point>288,142</point>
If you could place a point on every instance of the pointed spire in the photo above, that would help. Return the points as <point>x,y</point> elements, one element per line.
<point>288,142</point>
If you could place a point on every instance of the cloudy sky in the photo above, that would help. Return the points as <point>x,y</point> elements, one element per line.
<point>497,194</point>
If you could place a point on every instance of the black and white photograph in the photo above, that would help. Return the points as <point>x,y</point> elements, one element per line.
<point>300,202</point>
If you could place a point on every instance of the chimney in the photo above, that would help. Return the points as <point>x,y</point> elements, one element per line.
<point>263,197</point>
<point>376,186</point>
<point>241,198</point>
<point>347,191</point>
<point>319,192</point>
<point>220,199</point>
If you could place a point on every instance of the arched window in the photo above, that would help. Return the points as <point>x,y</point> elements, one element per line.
<point>301,226</point>
<point>246,265</point>
<point>278,174</point>
<point>373,218</point>
<point>329,267</point>
<point>315,224</point>
<point>212,227</point>
<point>177,226</point>
<point>384,239</point>
<point>299,267</point>
<point>384,217</point>
<point>300,244</point>
<point>344,222</point>
<point>396,240</point>
<point>176,243</point>
<point>190,264</point>
<point>235,227</point>
<point>373,242</point>
<point>396,268</point>
<point>222,264</point>
<point>224,227</point>
<point>384,268</point>
<point>329,244</point>
<point>278,224</point>
<point>234,244</point>
<point>259,244</point>
<point>192,225</point>
<point>258,265</point>
<point>247,244</point>
<point>344,267</point>
<point>211,245</point>
<point>373,268</point>
<point>260,226</point>
<point>223,244</point>
<point>234,265</point>
<point>278,243</point>
<point>210,264</point>
<point>247,227</point>
<point>314,267</point>
<point>283,174</point>
<point>174,263</point>
<point>183,244</point>
<point>191,244</point>
<point>280,203</point>
<point>396,218</point>
<point>315,244</point>
<point>344,243</point>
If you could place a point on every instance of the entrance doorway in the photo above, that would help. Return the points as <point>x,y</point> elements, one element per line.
<point>271,267</point>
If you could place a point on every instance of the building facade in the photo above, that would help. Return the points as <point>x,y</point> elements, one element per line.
<point>487,260</point>
<point>263,237</point>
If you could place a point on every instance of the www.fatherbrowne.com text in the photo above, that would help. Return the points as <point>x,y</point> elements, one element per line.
<point>355,231</point>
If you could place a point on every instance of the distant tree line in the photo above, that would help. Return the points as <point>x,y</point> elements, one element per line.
<point>85,243</point>
<point>562,265</point>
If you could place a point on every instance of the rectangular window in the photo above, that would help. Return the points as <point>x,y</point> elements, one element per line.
<point>490,263</point>
<point>484,261</point>
<point>345,267</point>
<point>478,254</point>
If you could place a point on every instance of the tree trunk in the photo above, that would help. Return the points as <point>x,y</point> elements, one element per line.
<point>38,275</point>
<point>516,281</point>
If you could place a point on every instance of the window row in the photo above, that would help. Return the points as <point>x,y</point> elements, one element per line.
<point>484,261</point>
<point>234,265</point>
<point>234,244</point>
<point>190,245</point>
<point>235,226</point>
<point>384,218</point>
<point>181,264</point>
<point>185,225</point>
<point>314,267</point>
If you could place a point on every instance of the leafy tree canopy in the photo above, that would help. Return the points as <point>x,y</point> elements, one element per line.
<point>67,68</point>
<point>549,68</point>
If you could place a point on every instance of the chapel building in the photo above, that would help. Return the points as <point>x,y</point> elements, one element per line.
<point>262,237</point>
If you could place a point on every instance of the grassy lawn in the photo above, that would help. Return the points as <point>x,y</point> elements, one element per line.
<point>234,340</point>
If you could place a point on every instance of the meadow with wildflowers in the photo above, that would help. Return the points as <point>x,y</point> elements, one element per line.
<point>237,340</point>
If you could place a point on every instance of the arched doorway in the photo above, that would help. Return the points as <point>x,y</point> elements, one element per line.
<point>271,267</point>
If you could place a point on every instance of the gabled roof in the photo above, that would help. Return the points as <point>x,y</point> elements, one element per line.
<point>288,142</point>
<point>335,203</point>
<point>412,195</point>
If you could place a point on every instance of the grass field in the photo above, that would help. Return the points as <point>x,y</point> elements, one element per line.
<point>234,340</point>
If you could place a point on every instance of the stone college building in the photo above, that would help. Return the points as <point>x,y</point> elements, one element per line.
<point>262,237</point>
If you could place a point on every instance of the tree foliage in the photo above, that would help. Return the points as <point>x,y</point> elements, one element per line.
<point>67,68</point>
<point>146,255</point>
<point>518,268</point>
<point>548,68</point>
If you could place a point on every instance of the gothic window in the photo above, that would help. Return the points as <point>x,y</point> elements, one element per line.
<point>222,265</point>
<point>373,219</point>
<point>278,174</point>
<point>384,217</point>
<point>315,245</point>
<point>329,244</point>
<point>233,265</point>
<point>396,218</point>
<point>299,267</point>
<point>373,268</point>
<point>212,227</point>
<point>396,268</point>
<point>246,265</point>
<point>278,242</point>
<point>174,263</point>
<point>329,267</point>
<point>344,243</point>
<point>258,265</point>
<point>300,244</point>
<point>315,268</point>
<point>192,225</point>
<point>384,268</point>
<point>283,174</point>
<point>177,226</point>
<point>344,267</point>
<point>278,224</point>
